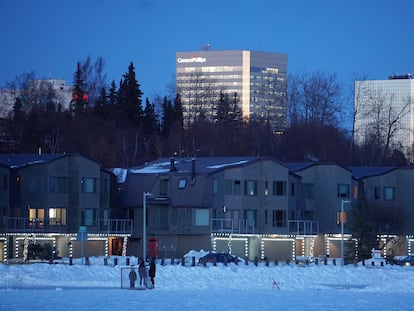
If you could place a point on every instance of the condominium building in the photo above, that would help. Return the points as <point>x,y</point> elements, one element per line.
<point>383,111</point>
<point>257,78</point>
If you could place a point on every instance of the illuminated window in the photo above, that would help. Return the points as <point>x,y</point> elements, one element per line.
<point>250,187</point>
<point>57,216</point>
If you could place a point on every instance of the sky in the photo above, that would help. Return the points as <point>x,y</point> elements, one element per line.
<point>353,38</point>
<point>60,286</point>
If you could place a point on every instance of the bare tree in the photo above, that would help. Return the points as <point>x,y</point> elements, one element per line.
<point>379,120</point>
<point>198,96</point>
<point>315,99</point>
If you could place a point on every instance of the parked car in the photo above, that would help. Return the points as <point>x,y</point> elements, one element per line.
<point>403,260</point>
<point>217,257</point>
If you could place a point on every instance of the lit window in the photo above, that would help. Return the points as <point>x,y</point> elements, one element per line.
<point>250,187</point>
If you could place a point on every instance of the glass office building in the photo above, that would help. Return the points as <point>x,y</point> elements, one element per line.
<point>384,109</point>
<point>258,79</point>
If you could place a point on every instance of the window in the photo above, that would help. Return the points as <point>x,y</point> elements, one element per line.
<point>279,187</point>
<point>182,183</point>
<point>232,187</point>
<point>215,186</point>
<point>343,191</point>
<point>236,187</point>
<point>292,189</point>
<point>201,217</point>
<point>164,186</point>
<point>158,217</point>
<point>389,193</point>
<point>250,187</point>
<point>279,218</point>
<point>308,190</point>
<point>266,189</point>
<point>57,216</point>
<point>377,193</point>
<point>88,216</point>
<point>58,184</point>
<point>89,184</point>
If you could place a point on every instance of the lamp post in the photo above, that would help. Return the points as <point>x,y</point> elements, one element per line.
<point>144,225</point>
<point>342,228</point>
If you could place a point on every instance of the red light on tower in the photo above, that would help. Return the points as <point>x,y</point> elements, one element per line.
<point>85,97</point>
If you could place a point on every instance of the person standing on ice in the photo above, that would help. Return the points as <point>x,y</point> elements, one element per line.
<point>132,278</point>
<point>142,272</point>
<point>151,271</point>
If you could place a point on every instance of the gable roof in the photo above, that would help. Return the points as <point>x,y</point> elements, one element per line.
<point>21,160</point>
<point>203,165</point>
<point>369,171</point>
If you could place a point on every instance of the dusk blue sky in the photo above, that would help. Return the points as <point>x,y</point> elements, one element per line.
<point>350,38</point>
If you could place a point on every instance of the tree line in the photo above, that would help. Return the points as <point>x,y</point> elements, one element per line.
<point>113,125</point>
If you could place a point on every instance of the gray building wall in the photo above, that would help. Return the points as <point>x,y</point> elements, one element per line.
<point>323,201</point>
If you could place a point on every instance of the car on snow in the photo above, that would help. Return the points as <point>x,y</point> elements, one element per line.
<point>218,257</point>
<point>403,260</point>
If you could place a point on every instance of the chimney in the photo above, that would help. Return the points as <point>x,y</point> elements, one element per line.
<point>172,165</point>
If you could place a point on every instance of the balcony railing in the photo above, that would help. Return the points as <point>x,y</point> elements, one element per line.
<point>303,227</point>
<point>116,226</point>
<point>222,225</point>
<point>54,225</point>
<point>24,224</point>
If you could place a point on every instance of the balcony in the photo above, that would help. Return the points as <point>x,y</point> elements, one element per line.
<point>303,227</point>
<point>222,225</point>
<point>115,226</point>
<point>54,225</point>
<point>34,225</point>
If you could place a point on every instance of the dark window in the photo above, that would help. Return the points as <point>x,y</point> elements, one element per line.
<point>58,184</point>
<point>89,184</point>
<point>279,187</point>
<point>343,191</point>
<point>279,218</point>
<point>163,186</point>
<point>377,193</point>
<point>292,189</point>
<point>389,193</point>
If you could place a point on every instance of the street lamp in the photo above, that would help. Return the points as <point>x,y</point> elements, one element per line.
<point>144,225</point>
<point>342,228</point>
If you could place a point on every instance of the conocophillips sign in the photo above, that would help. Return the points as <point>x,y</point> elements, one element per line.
<point>193,59</point>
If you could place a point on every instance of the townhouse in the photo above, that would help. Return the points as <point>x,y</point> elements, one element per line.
<point>249,206</point>
<point>47,199</point>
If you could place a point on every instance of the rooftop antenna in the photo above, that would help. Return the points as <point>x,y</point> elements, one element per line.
<point>206,47</point>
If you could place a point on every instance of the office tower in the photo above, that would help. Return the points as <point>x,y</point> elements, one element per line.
<point>258,79</point>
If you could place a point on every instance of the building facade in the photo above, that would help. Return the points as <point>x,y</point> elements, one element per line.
<point>258,79</point>
<point>47,199</point>
<point>62,94</point>
<point>383,111</point>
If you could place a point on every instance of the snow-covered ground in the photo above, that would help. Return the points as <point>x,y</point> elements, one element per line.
<point>43,286</point>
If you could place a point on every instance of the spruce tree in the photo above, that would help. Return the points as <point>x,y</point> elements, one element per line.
<point>79,95</point>
<point>129,97</point>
